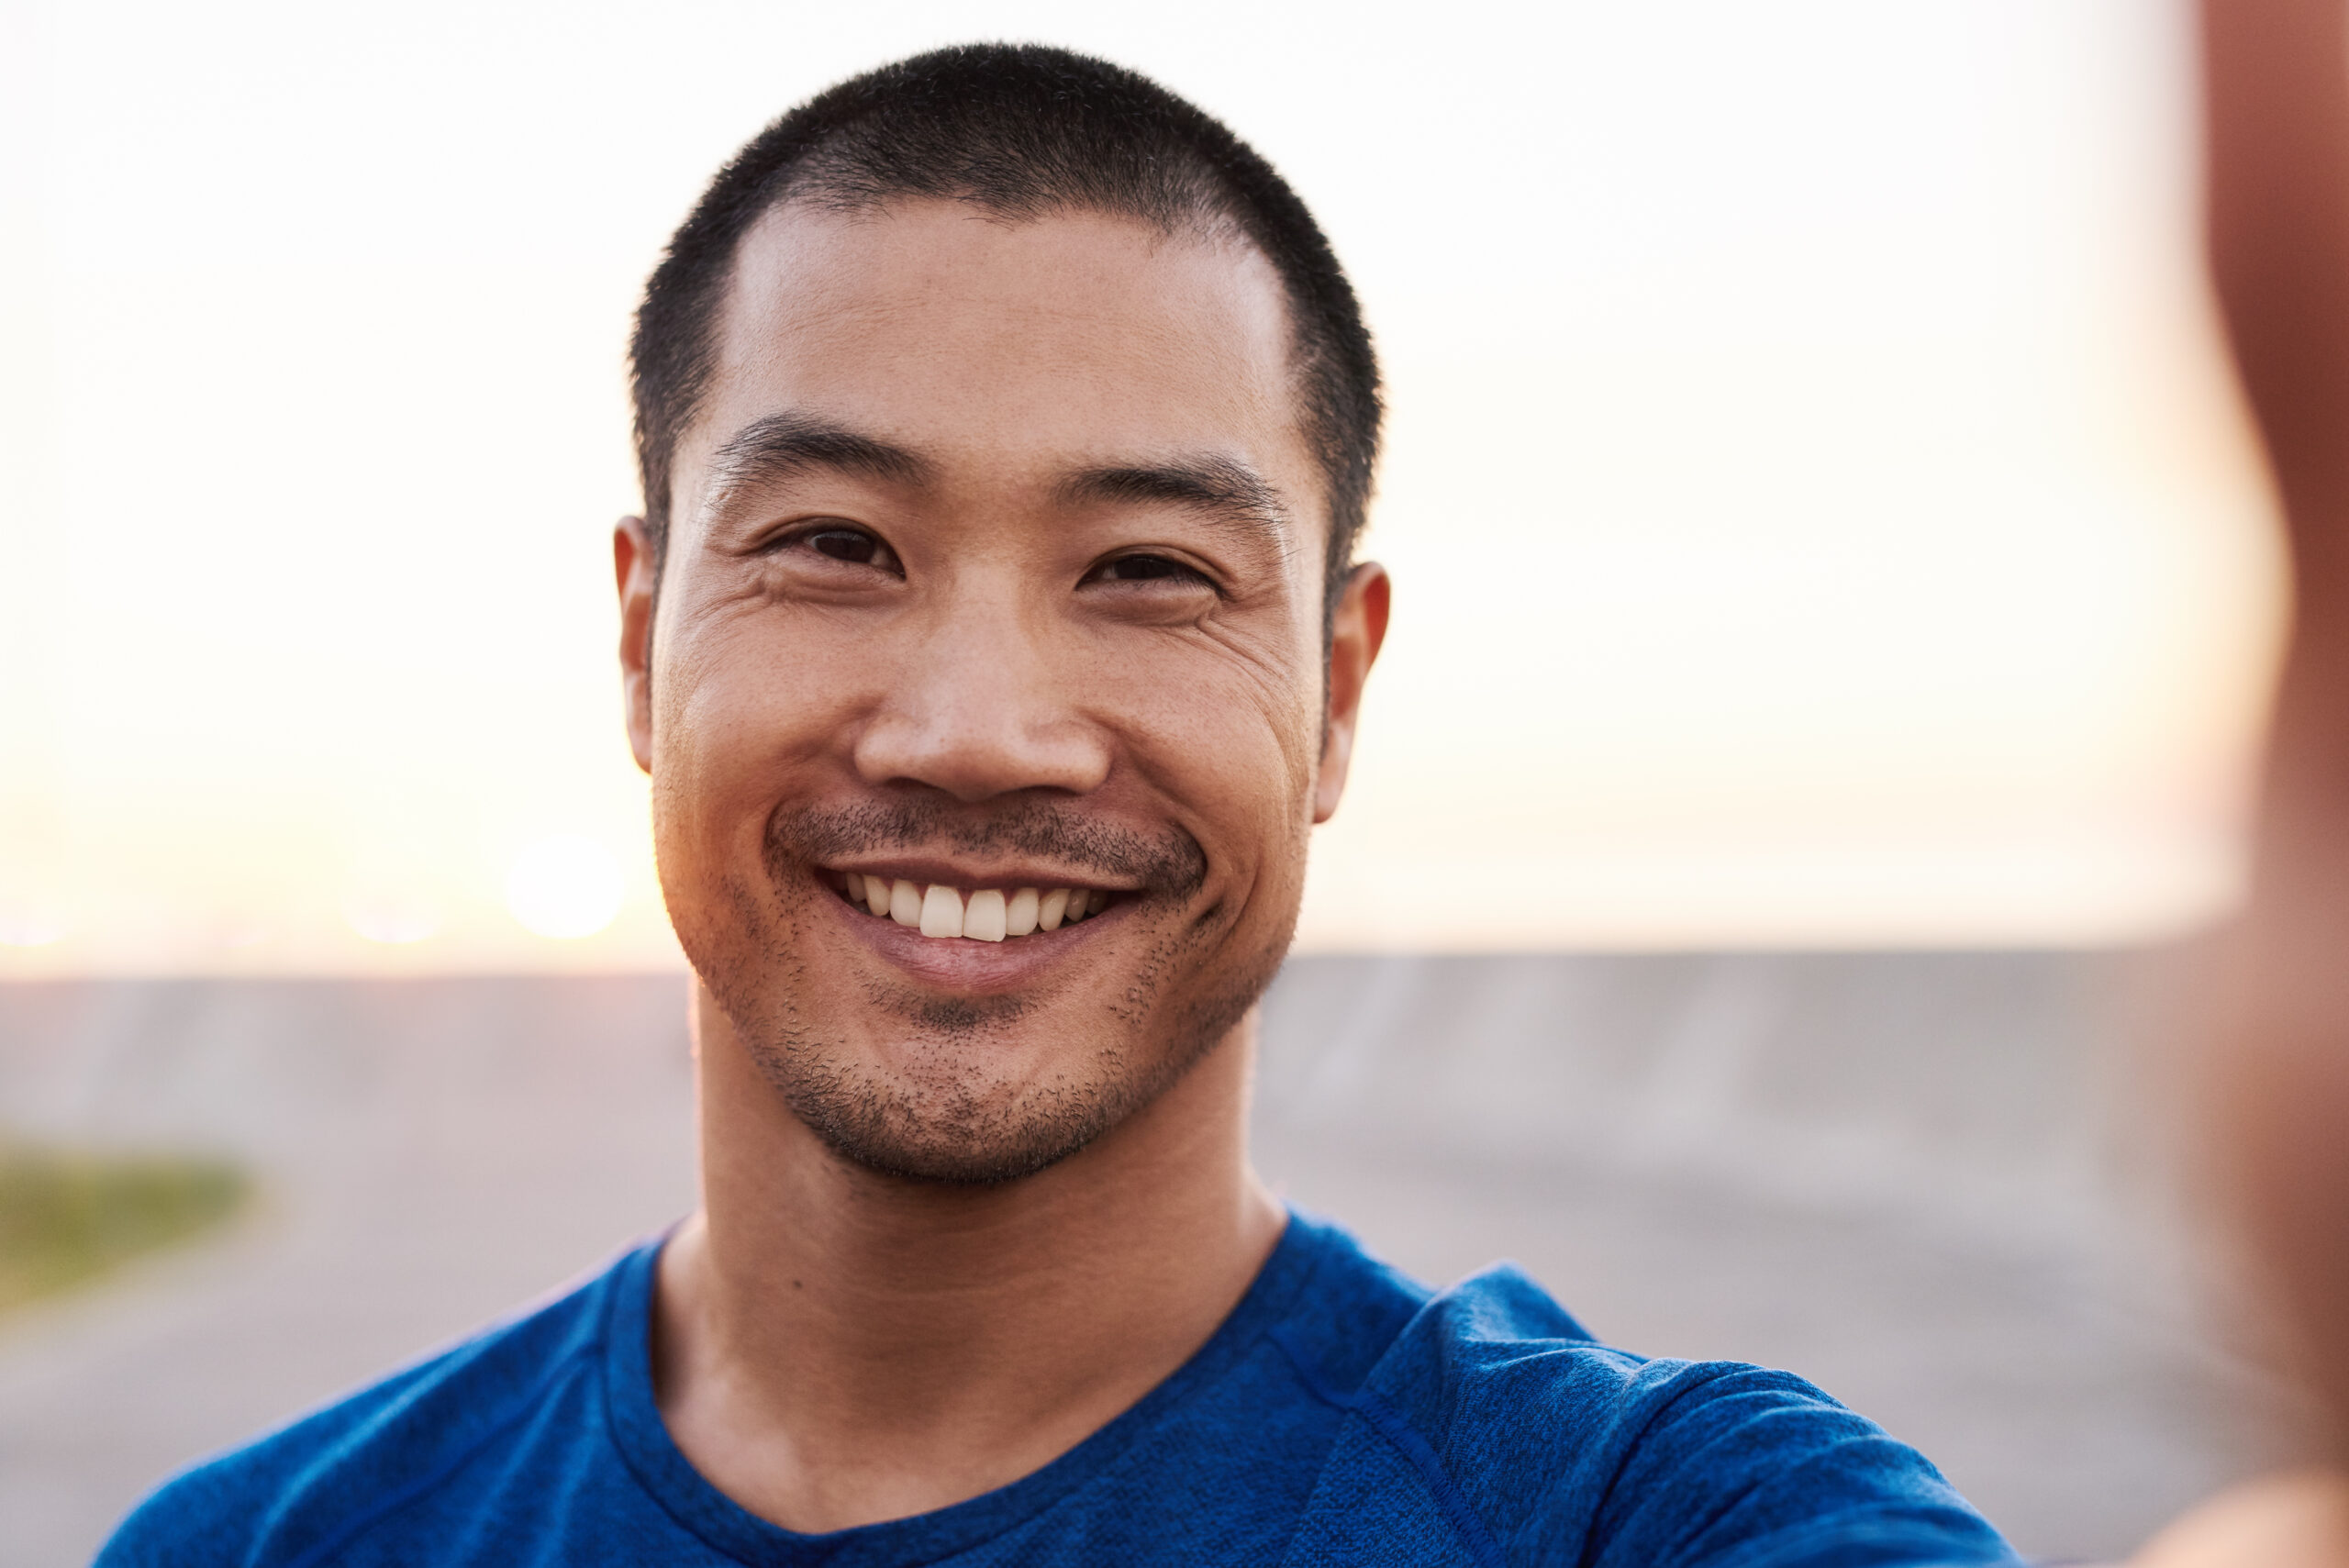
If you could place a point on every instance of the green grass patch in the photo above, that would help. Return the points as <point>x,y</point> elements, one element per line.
<point>66,1218</point>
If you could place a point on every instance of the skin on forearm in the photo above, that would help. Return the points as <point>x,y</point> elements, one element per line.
<point>2300,1520</point>
<point>2277,1071</point>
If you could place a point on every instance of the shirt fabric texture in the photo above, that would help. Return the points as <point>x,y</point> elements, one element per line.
<point>1341,1414</point>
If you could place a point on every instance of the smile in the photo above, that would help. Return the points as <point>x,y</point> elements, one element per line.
<point>985,915</point>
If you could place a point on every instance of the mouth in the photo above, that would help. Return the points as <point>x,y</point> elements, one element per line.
<point>944,912</point>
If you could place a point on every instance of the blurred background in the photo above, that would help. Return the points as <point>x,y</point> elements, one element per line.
<point>1836,593</point>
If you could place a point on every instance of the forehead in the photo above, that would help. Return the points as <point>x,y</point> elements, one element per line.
<point>994,346</point>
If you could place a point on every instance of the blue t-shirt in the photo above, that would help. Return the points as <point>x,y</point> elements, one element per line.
<point>1343,1414</point>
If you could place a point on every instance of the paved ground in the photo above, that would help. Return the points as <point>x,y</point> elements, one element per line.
<point>1898,1175</point>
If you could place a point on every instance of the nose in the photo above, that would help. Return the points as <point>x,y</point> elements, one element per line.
<point>982,701</point>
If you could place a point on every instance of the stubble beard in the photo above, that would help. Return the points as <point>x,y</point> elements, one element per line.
<point>947,1117</point>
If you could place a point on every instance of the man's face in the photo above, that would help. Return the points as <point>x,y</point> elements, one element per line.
<point>995,567</point>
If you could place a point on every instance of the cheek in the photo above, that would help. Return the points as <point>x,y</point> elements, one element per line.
<point>1231,744</point>
<point>739,713</point>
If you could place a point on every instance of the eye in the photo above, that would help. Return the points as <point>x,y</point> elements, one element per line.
<point>1146,569</point>
<point>846,543</point>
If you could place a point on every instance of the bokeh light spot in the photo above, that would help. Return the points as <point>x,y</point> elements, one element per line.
<point>30,927</point>
<point>394,919</point>
<point>564,886</point>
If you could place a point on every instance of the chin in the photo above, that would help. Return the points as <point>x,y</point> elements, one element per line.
<point>938,1125</point>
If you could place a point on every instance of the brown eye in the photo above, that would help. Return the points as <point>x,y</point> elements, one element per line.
<point>843,542</point>
<point>1148,569</point>
<point>853,545</point>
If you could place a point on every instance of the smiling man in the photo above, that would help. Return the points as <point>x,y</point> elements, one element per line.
<point>993,640</point>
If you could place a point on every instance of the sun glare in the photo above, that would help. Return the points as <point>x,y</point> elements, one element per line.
<point>29,928</point>
<point>396,919</point>
<point>564,887</point>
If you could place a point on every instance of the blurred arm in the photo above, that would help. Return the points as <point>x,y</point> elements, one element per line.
<point>2276,86</point>
<point>2277,95</point>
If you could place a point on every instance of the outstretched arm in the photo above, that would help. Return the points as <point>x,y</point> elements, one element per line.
<point>2276,105</point>
<point>2275,1073</point>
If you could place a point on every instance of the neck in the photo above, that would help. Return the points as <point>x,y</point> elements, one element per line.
<point>833,1347</point>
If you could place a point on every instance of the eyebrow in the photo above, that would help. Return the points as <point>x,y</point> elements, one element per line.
<point>1217,487</point>
<point>780,446</point>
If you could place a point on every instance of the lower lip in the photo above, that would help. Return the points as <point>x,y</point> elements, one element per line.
<point>963,964</point>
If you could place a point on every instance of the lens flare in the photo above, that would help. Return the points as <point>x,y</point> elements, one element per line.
<point>30,927</point>
<point>564,887</point>
<point>394,919</point>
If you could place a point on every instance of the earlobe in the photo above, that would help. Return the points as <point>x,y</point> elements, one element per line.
<point>1357,632</point>
<point>634,574</point>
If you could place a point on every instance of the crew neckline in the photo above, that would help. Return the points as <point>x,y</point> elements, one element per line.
<point>664,1472</point>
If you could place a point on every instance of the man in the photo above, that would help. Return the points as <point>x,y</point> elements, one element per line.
<point>992,639</point>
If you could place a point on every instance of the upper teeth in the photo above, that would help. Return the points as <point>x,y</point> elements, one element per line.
<point>989,915</point>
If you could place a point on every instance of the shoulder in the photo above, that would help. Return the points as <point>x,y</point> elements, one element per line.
<point>1550,1446</point>
<point>291,1493</point>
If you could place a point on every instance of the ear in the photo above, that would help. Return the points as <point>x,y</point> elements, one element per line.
<point>1355,636</point>
<point>632,567</point>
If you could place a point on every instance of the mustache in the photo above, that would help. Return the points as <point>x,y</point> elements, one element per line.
<point>1170,863</point>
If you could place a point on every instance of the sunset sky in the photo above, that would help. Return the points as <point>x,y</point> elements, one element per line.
<point>1817,513</point>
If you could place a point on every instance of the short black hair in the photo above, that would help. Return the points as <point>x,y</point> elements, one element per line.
<point>1021,131</point>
